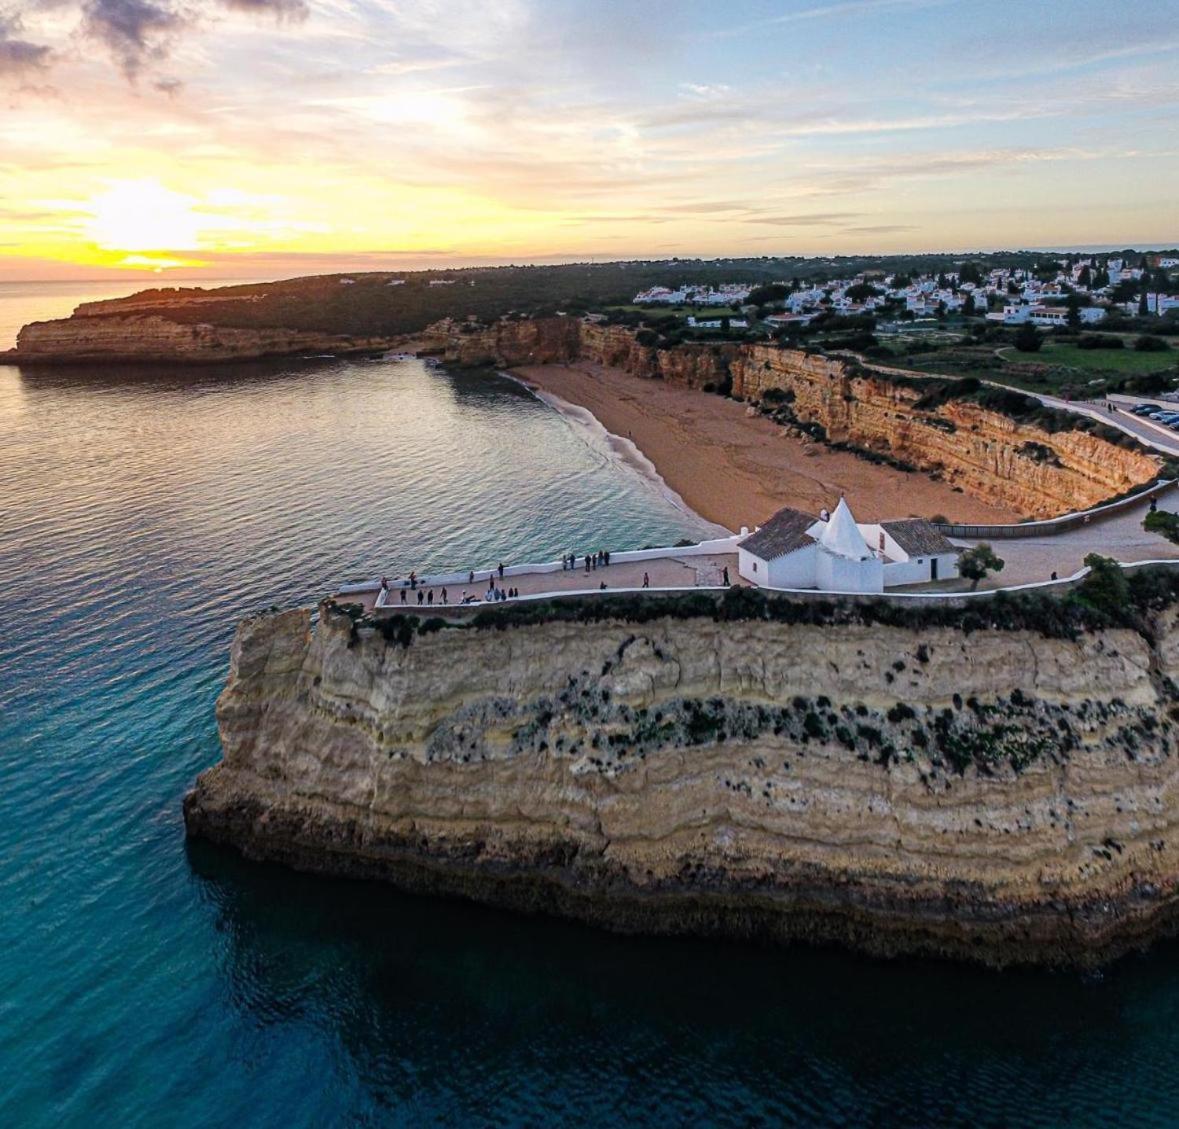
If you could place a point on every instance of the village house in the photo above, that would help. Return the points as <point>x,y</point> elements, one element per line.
<point>837,554</point>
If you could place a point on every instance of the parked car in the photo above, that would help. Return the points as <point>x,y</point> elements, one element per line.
<point>1163,417</point>
<point>1145,409</point>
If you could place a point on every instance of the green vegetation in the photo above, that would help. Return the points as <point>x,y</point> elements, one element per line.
<point>1164,523</point>
<point>1028,339</point>
<point>978,562</point>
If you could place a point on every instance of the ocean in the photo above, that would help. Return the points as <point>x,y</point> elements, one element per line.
<point>145,981</point>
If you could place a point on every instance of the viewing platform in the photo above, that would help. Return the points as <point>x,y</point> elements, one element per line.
<point>1052,559</point>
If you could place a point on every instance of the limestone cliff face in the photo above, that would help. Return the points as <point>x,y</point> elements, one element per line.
<point>989,455</point>
<point>694,365</point>
<point>876,786</point>
<point>153,338</point>
<point>1021,467</point>
<point>531,341</point>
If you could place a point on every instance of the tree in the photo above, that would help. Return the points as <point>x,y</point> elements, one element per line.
<point>968,305</point>
<point>1027,340</point>
<point>969,272</point>
<point>1143,308</point>
<point>1073,304</point>
<point>1085,278</point>
<point>1106,587</point>
<point>773,292</point>
<point>977,562</point>
<point>861,291</point>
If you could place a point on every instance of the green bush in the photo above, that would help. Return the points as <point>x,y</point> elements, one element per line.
<point>1100,341</point>
<point>1163,522</point>
<point>1149,344</point>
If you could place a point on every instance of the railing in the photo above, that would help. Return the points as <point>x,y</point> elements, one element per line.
<point>1053,525</point>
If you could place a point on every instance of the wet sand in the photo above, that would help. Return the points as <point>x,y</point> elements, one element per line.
<point>736,469</point>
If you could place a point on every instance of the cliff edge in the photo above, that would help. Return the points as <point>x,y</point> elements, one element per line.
<point>839,777</point>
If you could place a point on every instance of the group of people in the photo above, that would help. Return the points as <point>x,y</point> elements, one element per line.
<point>597,560</point>
<point>425,595</point>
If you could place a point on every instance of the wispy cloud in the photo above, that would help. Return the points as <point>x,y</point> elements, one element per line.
<point>19,56</point>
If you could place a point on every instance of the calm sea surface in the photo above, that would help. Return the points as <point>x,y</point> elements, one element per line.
<point>144,982</point>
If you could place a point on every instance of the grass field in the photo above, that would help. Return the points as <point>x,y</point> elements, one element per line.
<point>1123,362</point>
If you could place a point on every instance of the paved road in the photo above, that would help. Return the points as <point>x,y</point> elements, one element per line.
<point>1120,536</point>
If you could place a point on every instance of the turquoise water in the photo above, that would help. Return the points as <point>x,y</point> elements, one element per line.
<point>146,982</point>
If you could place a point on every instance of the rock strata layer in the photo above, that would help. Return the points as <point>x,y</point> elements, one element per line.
<point>877,786</point>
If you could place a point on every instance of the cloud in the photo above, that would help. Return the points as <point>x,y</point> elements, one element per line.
<point>280,9</point>
<point>882,228</point>
<point>19,56</point>
<point>135,32</point>
<point>807,220</point>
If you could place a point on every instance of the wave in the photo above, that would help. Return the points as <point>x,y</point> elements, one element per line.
<point>617,449</point>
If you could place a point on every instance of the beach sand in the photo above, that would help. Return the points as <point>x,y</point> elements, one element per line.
<point>735,469</point>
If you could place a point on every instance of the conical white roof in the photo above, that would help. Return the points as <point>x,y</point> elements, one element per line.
<point>842,537</point>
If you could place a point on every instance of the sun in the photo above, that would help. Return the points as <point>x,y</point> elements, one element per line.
<point>142,216</point>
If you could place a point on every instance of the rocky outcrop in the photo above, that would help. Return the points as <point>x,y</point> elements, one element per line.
<point>154,338</point>
<point>883,787</point>
<point>507,343</point>
<point>989,455</point>
<point>693,364</point>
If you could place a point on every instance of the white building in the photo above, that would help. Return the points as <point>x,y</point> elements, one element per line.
<point>793,550</point>
<point>1161,303</point>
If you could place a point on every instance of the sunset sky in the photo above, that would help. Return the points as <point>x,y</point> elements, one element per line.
<point>275,137</point>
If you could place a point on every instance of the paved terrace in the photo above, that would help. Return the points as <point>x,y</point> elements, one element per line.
<point>672,569</point>
<point>1027,560</point>
<point>1121,536</point>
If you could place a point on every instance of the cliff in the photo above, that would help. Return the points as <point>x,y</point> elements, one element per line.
<point>879,786</point>
<point>993,457</point>
<point>1018,465</point>
<point>150,337</point>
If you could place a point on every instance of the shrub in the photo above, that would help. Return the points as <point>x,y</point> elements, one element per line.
<point>1163,522</point>
<point>1027,340</point>
<point>1106,588</point>
<point>1100,341</point>
<point>1148,344</point>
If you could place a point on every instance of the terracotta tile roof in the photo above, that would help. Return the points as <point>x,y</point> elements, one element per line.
<point>783,533</point>
<point>918,538</point>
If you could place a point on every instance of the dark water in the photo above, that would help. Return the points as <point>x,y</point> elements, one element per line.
<point>145,983</point>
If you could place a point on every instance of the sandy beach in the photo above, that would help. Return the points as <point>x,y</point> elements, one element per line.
<point>735,469</point>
